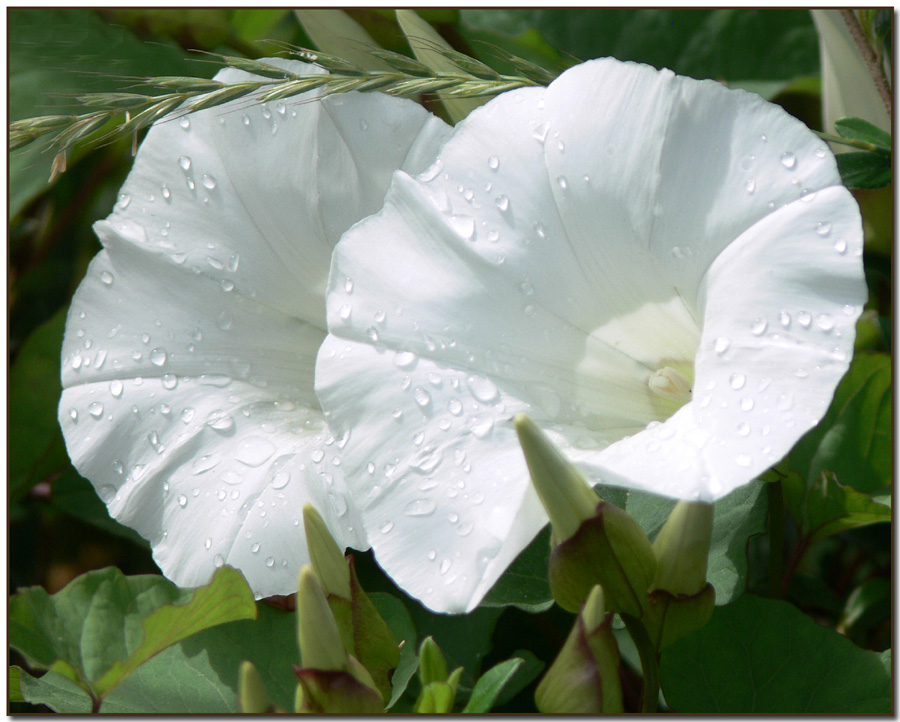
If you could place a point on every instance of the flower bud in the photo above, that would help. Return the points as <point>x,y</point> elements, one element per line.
<point>438,689</point>
<point>320,641</point>
<point>566,495</point>
<point>362,629</point>
<point>330,680</point>
<point>251,692</point>
<point>325,555</point>
<point>594,542</point>
<point>669,617</point>
<point>682,548</point>
<point>584,677</point>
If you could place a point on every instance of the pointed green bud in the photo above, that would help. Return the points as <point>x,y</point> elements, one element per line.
<point>610,549</point>
<point>251,691</point>
<point>432,664</point>
<point>566,495</point>
<point>669,617</point>
<point>682,548</point>
<point>438,689</point>
<point>584,678</point>
<point>325,555</point>
<point>320,641</point>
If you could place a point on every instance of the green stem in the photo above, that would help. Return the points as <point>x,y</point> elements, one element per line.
<point>649,662</point>
<point>776,537</point>
<point>860,144</point>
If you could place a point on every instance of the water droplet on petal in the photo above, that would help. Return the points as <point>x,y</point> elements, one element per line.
<point>784,318</point>
<point>788,160</point>
<point>738,381</point>
<point>345,311</point>
<point>386,527</point>
<point>220,421</point>
<point>759,327</point>
<point>750,186</point>
<point>540,133</point>
<point>158,356</point>
<point>502,202</point>
<point>185,163</point>
<point>455,406</point>
<point>218,560</point>
<point>722,344</point>
<point>95,410</point>
<point>254,451</point>
<point>270,562</point>
<point>106,277</point>
<point>208,181</point>
<point>823,228</point>
<point>840,246</point>
<point>493,162</point>
<point>106,492</point>
<point>422,397</point>
<point>743,460</point>
<point>445,566</point>
<point>116,388</point>
<point>405,359</point>
<point>804,319</point>
<point>482,389</point>
<point>182,500</point>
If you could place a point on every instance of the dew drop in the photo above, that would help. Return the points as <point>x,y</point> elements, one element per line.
<point>804,319</point>
<point>482,389</point>
<point>784,318</point>
<point>445,566</point>
<point>107,492</point>
<point>204,463</point>
<point>743,429</point>
<point>363,124</point>
<point>465,529</point>
<point>743,460</point>
<point>95,410</point>
<point>185,163</point>
<point>158,356</point>
<point>270,562</point>
<point>73,414</point>
<point>224,320</point>
<point>759,327</point>
<point>317,456</point>
<point>502,202</point>
<point>386,527</point>
<point>254,451</point>
<point>116,388</point>
<point>166,193</point>
<point>186,124</point>
<point>208,181</point>
<point>722,344</point>
<point>493,162</point>
<point>345,311</point>
<point>218,559</point>
<point>187,415</point>
<point>463,225</point>
<point>562,182</point>
<point>281,479</point>
<point>789,160</point>
<point>825,322</point>
<point>737,381</point>
<point>182,500</point>
<point>840,246</point>
<point>220,421</point>
<point>124,201</point>
<point>540,133</point>
<point>432,555</point>
<point>455,406</point>
<point>823,228</point>
<point>750,186</point>
<point>372,333</point>
<point>405,359</point>
<point>106,277</point>
<point>747,404</point>
<point>422,397</point>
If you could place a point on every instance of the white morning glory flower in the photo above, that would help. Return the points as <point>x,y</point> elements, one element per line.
<point>663,273</point>
<point>190,345</point>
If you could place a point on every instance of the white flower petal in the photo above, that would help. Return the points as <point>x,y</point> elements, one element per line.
<point>189,353</point>
<point>586,252</point>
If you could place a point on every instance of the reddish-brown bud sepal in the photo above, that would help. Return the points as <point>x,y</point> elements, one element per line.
<point>334,692</point>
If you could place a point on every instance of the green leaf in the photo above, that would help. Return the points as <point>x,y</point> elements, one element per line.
<point>827,507</point>
<point>853,440</point>
<point>225,599</point>
<point>863,170</point>
<point>56,54</point>
<point>398,620</point>
<point>15,690</point>
<point>490,684</point>
<point>524,584</point>
<point>104,625</point>
<point>868,605</point>
<point>57,692</point>
<point>257,24</point>
<point>859,129</point>
<point>36,445</point>
<point>426,44</point>
<point>764,656</point>
<point>336,33</point>
<point>733,44</point>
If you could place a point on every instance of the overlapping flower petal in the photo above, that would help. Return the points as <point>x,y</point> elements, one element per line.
<point>190,346</point>
<point>627,256</point>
